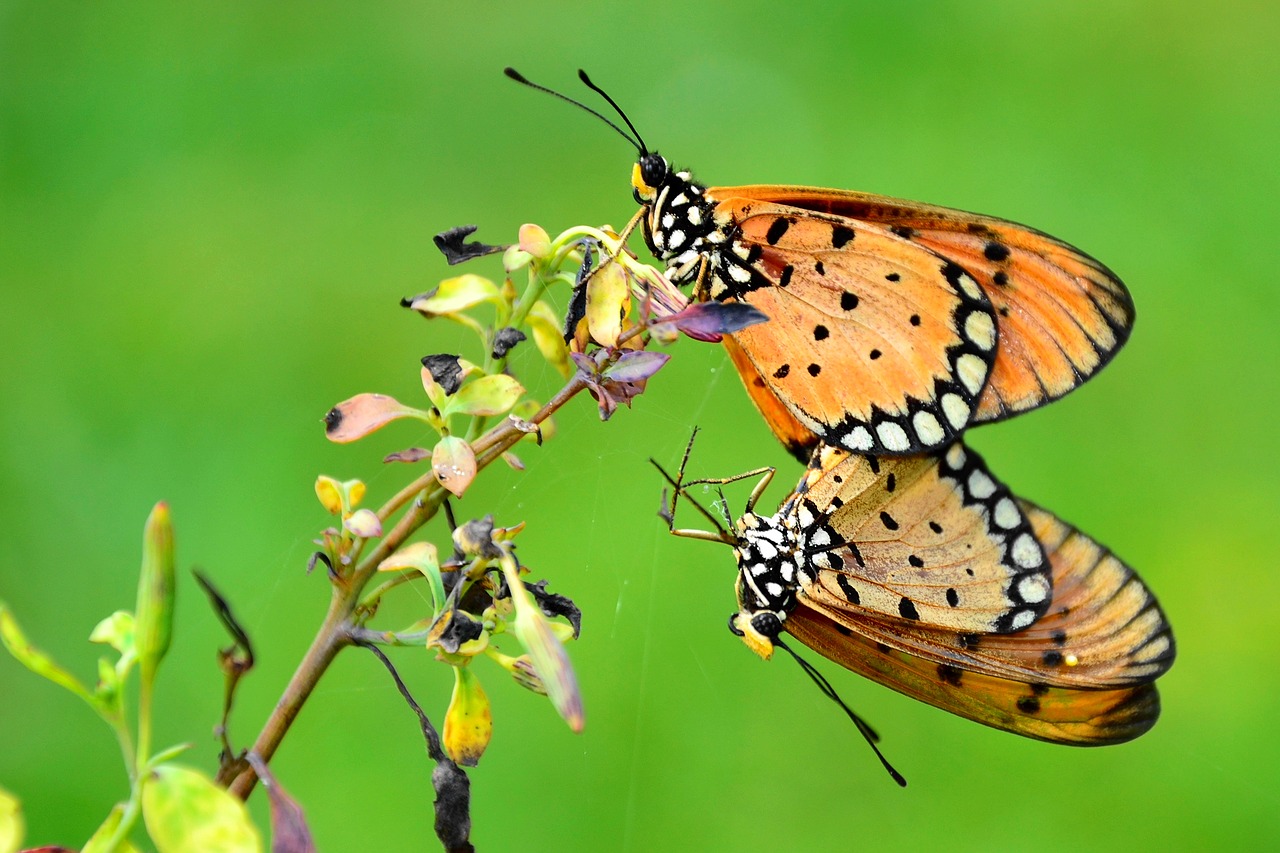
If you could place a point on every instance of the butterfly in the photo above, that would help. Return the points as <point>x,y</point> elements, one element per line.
<point>894,324</point>
<point>927,575</point>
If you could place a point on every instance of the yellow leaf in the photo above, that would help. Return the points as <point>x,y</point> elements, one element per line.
<point>186,812</point>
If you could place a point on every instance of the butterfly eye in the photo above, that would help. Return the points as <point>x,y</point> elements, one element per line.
<point>653,169</point>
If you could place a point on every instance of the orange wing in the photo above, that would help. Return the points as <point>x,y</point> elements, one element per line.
<point>1055,714</point>
<point>875,343</point>
<point>935,542</point>
<point>1061,315</point>
<point>1080,674</point>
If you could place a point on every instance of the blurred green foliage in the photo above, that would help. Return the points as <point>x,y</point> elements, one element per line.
<point>209,210</point>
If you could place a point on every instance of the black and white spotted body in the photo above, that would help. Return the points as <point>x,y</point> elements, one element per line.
<point>681,228</point>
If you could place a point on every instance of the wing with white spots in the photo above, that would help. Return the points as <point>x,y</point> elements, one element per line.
<point>933,541</point>
<point>873,343</point>
<point>1062,315</point>
<point>1055,714</point>
<point>1103,629</point>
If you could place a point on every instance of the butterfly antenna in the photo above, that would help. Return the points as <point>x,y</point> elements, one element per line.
<point>520,78</point>
<point>830,692</point>
<point>582,75</point>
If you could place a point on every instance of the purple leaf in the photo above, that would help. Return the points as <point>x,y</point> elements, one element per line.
<point>636,366</point>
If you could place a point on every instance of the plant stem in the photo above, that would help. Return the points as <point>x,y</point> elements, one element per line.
<point>336,630</point>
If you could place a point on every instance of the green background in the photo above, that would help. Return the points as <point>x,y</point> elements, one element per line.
<point>209,210</point>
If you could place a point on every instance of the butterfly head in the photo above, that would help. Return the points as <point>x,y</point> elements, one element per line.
<point>648,175</point>
<point>758,630</point>
<point>768,571</point>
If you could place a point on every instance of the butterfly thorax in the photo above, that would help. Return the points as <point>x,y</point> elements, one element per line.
<point>769,564</point>
<point>680,224</point>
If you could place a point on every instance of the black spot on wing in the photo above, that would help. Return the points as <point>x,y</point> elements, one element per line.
<point>777,228</point>
<point>848,301</point>
<point>820,333</point>
<point>893,276</point>
<point>949,674</point>
<point>1029,705</point>
<point>815,369</point>
<point>907,610</point>
<point>785,278</point>
<point>840,235</point>
<point>850,592</point>
<point>888,521</point>
<point>781,372</point>
<point>995,251</point>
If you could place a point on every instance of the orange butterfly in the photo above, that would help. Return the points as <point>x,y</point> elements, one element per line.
<point>926,575</point>
<point>893,324</point>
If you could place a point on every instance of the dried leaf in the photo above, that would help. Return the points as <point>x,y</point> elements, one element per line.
<point>452,245</point>
<point>409,454</point>
<point>454,464</point>
<point>505,341</point>
<point>363,414</point>
<point>289,830</point>
<point>445,370</point>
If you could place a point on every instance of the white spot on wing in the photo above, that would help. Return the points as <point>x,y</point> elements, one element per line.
<point>738,274</point>
<point>1006,514</point>
<point>927,428</point>
<point>980,485</point>
<point>1022,619</point>
<point>892,436</point>
<point>956,410</point>
<point>805,516</point>
<point>955,456</point>
<point>821,538</point>
<point>969,286</point>
<point>971,369</point>
<point>1033,589</point>
<point>859,438</point>
<point>1026,552</point>
<point>979,328</point>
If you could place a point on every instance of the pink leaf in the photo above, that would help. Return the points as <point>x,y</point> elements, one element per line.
<point>363,414</point>
<point>454,464</point>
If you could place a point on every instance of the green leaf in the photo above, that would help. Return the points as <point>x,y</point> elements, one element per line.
<point>545,325</point>
<point>115,631</point>
<point>456,294</point>
<point>186,812</point>
<point>37,661</point>
<point>454,464</point>
<point>487,395</point>
<point>101,838</point>
<point>546,652</point>
<point>423,557</point>
<point>12,827</point>
<point>153,626</point>
<point>606,301</point>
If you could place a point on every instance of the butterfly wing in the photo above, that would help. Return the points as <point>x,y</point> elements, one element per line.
<point>875,343</point>
<point>1055,714</point>
<point>930,541</point>
<point>1062,315</point>
<point>1104,628</point>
